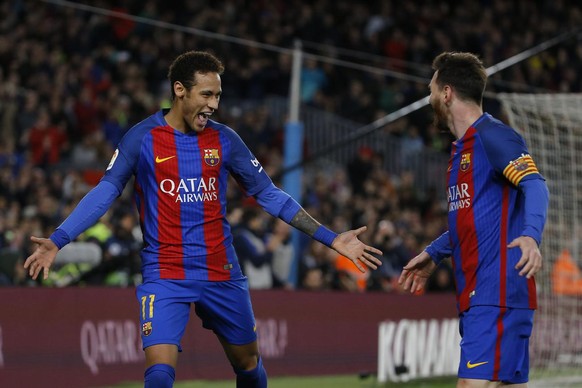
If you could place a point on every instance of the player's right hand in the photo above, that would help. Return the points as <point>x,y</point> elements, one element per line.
<point>415,274</point>
<point>42,258</point>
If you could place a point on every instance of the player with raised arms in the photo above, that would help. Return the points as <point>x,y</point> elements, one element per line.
<point>181,160</point>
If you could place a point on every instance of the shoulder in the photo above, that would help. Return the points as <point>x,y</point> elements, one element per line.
<point>227,134</point>
<point>502,144</point>
<point>135,133</point>
<point>493,130</point>
<point>223,129</point>
<point>134,137</point>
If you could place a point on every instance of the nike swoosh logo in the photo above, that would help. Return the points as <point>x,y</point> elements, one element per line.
<point>161,160</point>
<point>475,365</point>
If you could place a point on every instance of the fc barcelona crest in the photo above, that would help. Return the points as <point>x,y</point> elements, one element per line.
<point>520,164</point>
<point>146,328</point>
<point>465,161</point>
<point>211,157</point>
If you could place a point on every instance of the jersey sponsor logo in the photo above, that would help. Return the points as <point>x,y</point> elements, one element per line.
<point>458,197</point>
<point>146,328</point>
<point>475,365</point>
<point>211,156</point>
<point>190,189</point>
<point>465,161</point>
<point>162,160</point>
<point>113,158</point>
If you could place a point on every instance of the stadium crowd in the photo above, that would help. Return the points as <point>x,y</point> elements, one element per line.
<point>73,81</point>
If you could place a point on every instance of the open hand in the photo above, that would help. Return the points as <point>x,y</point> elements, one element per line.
<point>42,258</point>
<point>415,274</point>
<point>348,245</point>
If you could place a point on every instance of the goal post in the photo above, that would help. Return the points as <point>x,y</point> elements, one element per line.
<point>552,127</point>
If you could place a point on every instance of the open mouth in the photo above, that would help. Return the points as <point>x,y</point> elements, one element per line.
<point>202,119</point>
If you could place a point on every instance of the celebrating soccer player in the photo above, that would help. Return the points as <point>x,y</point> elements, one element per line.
<point>497,205</point>
<point>181,160</point>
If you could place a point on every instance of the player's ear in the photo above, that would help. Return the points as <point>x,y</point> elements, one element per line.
<point>447,94</point>
<point>179,89</point>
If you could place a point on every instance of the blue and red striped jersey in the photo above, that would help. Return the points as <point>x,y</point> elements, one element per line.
<point>180,191</point>
<point>485,213</point>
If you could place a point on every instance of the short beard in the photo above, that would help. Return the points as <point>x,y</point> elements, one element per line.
<point>439,119</point>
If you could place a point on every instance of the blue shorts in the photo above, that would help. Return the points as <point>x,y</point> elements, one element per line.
<point>224,307</point>
<point>495,344</point>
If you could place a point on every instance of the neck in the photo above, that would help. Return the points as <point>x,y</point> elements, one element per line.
<point>175,121</point>
<point>463,117</point>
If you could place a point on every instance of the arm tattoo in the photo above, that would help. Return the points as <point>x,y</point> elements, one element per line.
<point>304,222</point>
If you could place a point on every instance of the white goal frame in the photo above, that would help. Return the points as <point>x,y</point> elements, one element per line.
<point>552,127</point>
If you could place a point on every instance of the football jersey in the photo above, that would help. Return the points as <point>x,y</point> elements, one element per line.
<point>180,191</point>
<point>486,213</point>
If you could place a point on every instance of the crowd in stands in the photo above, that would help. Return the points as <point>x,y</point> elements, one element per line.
<point>73,81</point>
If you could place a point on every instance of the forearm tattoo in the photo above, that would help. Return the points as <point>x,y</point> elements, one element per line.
<point>304,222</point>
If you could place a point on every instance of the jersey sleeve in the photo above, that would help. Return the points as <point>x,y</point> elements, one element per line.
<point>86,213</point>
<point>536,203</point>
<point>124,160</point>
<point>508,154</point>
<point>440,248</point>
<point>245,167</point>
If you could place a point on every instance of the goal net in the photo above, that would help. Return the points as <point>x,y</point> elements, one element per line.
<point>552,127</point>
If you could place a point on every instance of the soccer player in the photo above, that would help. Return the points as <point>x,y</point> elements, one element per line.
<point>497,205</point>
<point>181,160</point>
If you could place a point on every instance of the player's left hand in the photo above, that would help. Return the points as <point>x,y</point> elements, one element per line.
<point>531,258</point>
<point>348,245</point>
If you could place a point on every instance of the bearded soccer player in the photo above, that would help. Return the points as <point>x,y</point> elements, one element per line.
<point>181,160</point>
<point>497,206</point>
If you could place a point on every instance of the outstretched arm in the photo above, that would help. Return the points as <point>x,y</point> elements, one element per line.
<point>415,274</point>
<point>279,204</point>
<point>87,212</point>
<point>346,243</point>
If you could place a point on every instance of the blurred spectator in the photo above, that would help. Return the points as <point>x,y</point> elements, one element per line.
<point>348,276</point>
<point>94,75</point>
<point>316,269</point>
<point>45,140</point>
<point>255,250</point>
<point>442,279</point>
<point>283,254</point>
<point>121,262</point>
<point>395,255</point>
<point>12,272</point>
<point>313,280</point>
<point>359,168</point>
<point>313,80</point>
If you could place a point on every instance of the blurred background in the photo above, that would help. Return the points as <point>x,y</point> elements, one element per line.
<point>75,76</point>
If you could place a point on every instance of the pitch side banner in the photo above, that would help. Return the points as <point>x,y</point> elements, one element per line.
<point>90,337</point>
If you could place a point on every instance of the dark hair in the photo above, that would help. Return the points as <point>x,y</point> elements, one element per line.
<point>464,72</point>
<point>186,65</point>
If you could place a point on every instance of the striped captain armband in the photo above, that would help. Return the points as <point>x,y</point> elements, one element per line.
<point>520,167</point>
<point>324,235</point>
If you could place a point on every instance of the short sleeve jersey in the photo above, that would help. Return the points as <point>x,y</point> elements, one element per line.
<point>180,191</point>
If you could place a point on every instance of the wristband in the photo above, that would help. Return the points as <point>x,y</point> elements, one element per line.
<point>60,238</point>
<point>324,235</point>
